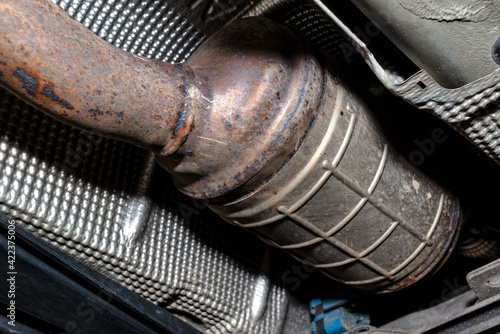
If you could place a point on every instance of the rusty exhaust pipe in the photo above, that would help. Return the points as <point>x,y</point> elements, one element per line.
<point>57,65</point>
<point>255,124</point>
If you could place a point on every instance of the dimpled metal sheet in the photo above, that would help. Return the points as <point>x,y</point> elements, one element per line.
<point>107,203</point>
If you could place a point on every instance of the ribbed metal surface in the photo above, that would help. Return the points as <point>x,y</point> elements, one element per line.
<point>471,109</point>
<point>484,131</point>
<point>376,224</point>
<point>108,204</point>
<point>309,19</point>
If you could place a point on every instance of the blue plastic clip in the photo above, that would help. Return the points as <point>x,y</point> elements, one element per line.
<point>331,317</point>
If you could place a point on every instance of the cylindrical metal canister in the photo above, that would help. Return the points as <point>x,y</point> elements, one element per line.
<point>256,125</point>
<point>347,204</point>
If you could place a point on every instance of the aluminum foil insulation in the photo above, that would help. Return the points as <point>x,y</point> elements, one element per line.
<point>100,200</point>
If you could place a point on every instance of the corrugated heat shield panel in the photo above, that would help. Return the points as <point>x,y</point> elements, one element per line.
<point>110,206</point>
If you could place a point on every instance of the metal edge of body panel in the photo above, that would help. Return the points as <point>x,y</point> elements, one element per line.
<point>461,107</point>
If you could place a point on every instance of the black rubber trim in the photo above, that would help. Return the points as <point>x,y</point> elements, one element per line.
<point>54,290</point>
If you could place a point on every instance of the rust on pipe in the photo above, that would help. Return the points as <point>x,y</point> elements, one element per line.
<point>56,64</point>
<point>256,124</point>
<point>59,66</point>
<point>267,91</point>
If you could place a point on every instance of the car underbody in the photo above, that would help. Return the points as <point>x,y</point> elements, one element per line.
<point>427,74</point>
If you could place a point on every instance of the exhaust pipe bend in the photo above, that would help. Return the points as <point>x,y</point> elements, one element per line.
<point>56,64</point>
<point>59,66</point>
<point>254,123</point>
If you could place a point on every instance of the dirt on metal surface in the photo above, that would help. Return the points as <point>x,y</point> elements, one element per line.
<point>266,94</point>
<point>56,64</point>
<point>255,123</point>
<point>241,101</point>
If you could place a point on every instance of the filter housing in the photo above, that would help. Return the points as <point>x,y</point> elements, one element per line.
<point>348,205</point>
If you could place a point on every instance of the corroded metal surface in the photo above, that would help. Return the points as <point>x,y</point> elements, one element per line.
<point>348,205</point>
<point>97,200</point>
<point>56,64</point>
<point>266,94</point>
<point>230,125</point>
<point>247,98</point>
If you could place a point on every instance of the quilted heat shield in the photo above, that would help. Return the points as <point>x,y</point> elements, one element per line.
<point>108,204</point>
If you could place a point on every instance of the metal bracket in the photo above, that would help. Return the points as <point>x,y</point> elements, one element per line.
<point>458,106</point>
<point>485,281</point>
